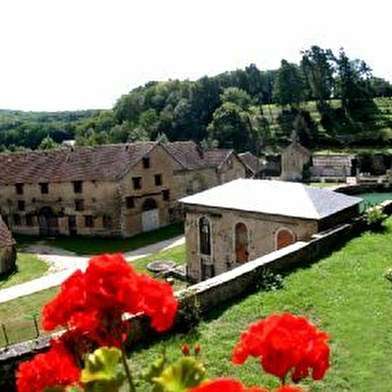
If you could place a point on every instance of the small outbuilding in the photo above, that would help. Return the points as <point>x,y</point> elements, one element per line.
<point>7,250</point>
<point>242,220</point>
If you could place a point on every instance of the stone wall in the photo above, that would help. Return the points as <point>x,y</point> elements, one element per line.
<point>262,230</point>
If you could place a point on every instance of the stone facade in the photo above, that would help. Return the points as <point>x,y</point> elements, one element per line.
<point>113,190</point>
<point>294,159</point>
<point>230,225</point>
<point>262,237</point>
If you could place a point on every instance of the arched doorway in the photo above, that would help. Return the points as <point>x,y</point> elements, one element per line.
<point>284,237</point>
<point>48,223</point>
<point>241,243</point>
<point>150,215</point>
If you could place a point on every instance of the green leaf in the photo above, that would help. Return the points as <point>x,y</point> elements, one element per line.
<point>154,371</point>
<point>103,369</point>
<point>188,372</point>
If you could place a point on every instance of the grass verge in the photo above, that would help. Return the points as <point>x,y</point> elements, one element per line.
<point>29,267</point>
<point>345,294</point>
<point>95,245</point>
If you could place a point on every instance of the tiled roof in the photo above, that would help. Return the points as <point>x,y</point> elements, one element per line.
<point>274,197</point>
<point>107,162</point>
<point>299,148</point>
<point>216,157</point>
<point>5,235</point>
<point>187,154</point>
<point>250,161</point>
<point>191,156</point>
<point>332,160</point>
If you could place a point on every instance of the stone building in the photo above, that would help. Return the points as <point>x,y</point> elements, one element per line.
<point>110,190</point>
<point>333,166</point>
<point>294,160</point>
<point>253,164</point>
<point>245,219</point>
<point>7,250</point>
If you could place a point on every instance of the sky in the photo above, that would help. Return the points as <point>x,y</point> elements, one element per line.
<point>84,54</point>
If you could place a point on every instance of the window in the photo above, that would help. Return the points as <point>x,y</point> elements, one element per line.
<point>17,219</point>
<point>19,189</point>
<point>44,187</point>
<point>284,237</point>
<point>241,243</point>
<point>137,182</point>
<point>166,194</point>
<point>89,221</point>
<point>78,187</point>
<point>21,205</point>
<point>130,202</point>
<point>204,236</point>
<point>79,204</point>
<point>158,179</point>
<point>107,222</point>
<point>146,162</point>
<point>29,220</point>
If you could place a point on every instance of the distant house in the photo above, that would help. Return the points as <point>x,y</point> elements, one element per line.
<point>244,219</point>
<point>295,159</point>
<point>7,249</point>
<point>253,164</point>
<point>336,166</point>
<point>107,190</point>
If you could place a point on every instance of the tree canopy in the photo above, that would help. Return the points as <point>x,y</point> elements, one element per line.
<point>245,109</point>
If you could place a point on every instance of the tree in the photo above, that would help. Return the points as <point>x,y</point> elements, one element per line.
<point>230,127</point>
<point>289,86</point>
<point>47,144</point>
<point>317,66</point>
<point>352,81</point>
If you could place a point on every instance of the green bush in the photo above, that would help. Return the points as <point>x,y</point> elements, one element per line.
<point>374,217</point>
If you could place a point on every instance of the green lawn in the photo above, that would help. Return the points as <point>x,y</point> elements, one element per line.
<point>29,267</point>
<point>95,245</point>
<point>16,314</point>
<point>346,294</point>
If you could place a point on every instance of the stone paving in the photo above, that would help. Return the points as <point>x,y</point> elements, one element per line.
<point>63,263</point>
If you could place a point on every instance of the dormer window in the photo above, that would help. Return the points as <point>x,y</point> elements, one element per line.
<point>146,162</point>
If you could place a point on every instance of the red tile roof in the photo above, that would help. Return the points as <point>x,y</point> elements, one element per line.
<point>108,162</point>
<point>105,163</point>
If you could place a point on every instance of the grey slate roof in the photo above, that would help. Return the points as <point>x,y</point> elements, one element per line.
<point>274,197</point>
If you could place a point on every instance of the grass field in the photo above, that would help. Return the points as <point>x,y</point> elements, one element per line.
<point>92,246</point>
<point>29,267</point>
<point>17,315</point>
<point>346,294</point>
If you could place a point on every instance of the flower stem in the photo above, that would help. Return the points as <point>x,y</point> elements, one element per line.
<point>132,387</point>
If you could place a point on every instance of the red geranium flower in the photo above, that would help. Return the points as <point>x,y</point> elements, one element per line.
<point>54,368</point>
<point>95,301</point>
<point>285,343</point>
<point>225,385</point>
